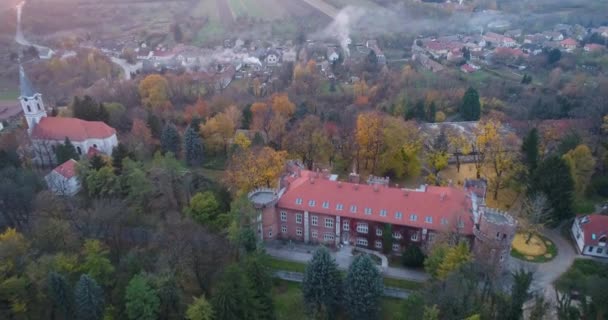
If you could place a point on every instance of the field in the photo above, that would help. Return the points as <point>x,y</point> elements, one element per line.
<point>287,298</point>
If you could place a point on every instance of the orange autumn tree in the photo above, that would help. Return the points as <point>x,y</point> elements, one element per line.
<point>199,110</point>
<point>253,168</point>
<point>271,118</point>
<point>217,132</point>
<point>370,137</point>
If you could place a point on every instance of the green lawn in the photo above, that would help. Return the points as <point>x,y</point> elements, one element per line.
<point>551,249</point>
<point>9,94</point>
<point>299,267</point>
<point>287,298</point>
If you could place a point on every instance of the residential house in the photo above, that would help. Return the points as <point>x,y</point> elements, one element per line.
<point>63,180</point>
<point>272,57</point>
<point>499,40</point>
<point>373,45</point>
<point>553,35</point>
<point>332,54</point>
<point>469,68</point>
<point>590,233</point>
<point>428,63</point>
<point>593,47</point>
<point>568,44</point>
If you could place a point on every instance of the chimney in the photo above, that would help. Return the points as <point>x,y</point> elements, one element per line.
<point>406,193</point>
<point>311,180</point>
<point>353,178</point>
<point>339,184</point>
<point>376,188</point>
<point>356,186</point>
<point>397,185</point>
<point>442,196</point>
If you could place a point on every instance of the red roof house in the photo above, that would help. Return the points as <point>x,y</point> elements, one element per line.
<point>57,128</point>
<point>591,234</point>
<point>63,180</point>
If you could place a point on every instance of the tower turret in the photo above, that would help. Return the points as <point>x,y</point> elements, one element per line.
<point>31,101</point>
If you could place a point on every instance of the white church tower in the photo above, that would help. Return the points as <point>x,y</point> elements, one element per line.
<point>31,102</point>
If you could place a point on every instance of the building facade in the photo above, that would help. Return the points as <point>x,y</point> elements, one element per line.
<point>590,232</point>
<point>313,207</point>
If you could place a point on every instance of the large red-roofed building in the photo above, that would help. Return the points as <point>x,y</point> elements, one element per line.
<point>591,235</point>
<point>313,207</point>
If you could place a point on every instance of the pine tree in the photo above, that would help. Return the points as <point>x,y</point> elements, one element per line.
<point>363,289</point>
<point>193,147</point>
<point>142,302</point>
<point>170,140</point>
<point>119,153</point>
<point>61,294</point>
<point>233,298</point>
<point>88,298</point>
<point>552,177</point>
<point>321,285</point>
<point>154,124</point>
<point>96,162</point>
<point>261,284</point>
<point>413,257</point>
<point>470,108</point>
<point>66,151</point>
<point>519,293</point>
<point>529,148</point>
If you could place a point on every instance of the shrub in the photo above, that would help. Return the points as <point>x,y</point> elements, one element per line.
<point>413,257</point>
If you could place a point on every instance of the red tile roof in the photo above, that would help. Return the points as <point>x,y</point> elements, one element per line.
<point>442,204</point>
<point>569,42</point>
<point>595,228</point>
<point>67,169</point>
<point>56,128</point>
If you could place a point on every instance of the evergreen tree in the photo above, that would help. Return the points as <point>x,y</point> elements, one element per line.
<point>88,109</point>
<point>154,125</point>
<point>119,153</point>
<point>419,113</point>
<point>260,279</point>
<point>88,298</point>
<point>431,114</point>
<point>387,238</point>
<point>247,117</point>
<point>103,114</point>
<point>470,109</point>
<point>529,148</point>
<point>554,56</point>
<point>96,162</point>
<point>519,293</point>
<point>371,61</point>
<point>66,151</point>
<point>60,294</point>
<point>233,298</point>
<point>552,177</point>
<point>413,257</point>
<point>363,289</point>
<point>142,302</point>
<point>200,309</point>
<point>193,147</point>
<point>321,285</point>
<point>170,140</point>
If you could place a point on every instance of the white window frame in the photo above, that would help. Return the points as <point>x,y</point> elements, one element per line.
<point>428,219</point>
<point>362,242</point>
<point>299,218</point>
<point>283,216</point>
<point>368,211</point>
<point>362,227</point>
<point>353,208</point>
<point>299,232</point>
<point>329,223</point>
<point>431,237</point>
<point>399,215</point>
<point>329,237</point>
<point>270,232</point>
<point>314,220</point>
<point>397,235</point>
<point>378,244</point>
<point>314,234</point>
<point>339,207</point>
<point>283,229</point>
<point>326,204</point>
<point>383,213</point>
<point>396,247</point>
<point>346,225</point>
<point>444,221</point>
<point>415,236</point>
<point>298,200</point>
<point>413,217</point>
<point>379,232</point>
<point>312,203</point>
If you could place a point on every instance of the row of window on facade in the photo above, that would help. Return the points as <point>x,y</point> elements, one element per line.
<point>362,228</point>
<point>382,213</point>
<point>362,242</point>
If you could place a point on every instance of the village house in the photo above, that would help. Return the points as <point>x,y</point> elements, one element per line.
<point>593,47</point>
<point>63,180</point>
<point>469,68</point>
<point>314,207</point>
<point>499,40</point>
<point>373,45</point>
<point>568,44</point>
<point>332,54</point>
<point>272,57</point>
<point>428,63</point>
<point>590,233</point>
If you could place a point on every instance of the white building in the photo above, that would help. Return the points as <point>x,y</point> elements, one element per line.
<point>63,180</point>
<point>47,132</point>
<point>590,233</point>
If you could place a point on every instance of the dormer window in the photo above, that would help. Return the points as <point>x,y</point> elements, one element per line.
<point>299,201</point>
<point>311,203</point>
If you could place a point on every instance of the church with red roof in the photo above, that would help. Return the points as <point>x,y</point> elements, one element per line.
<point>47,132</point>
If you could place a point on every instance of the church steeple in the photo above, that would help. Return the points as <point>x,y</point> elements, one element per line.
<point>31,101</point>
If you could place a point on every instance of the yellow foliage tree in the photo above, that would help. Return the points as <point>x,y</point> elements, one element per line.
<point>454,258</point>
<point>217,132</point>
<point>253,168</point>
<point>241,140</point>
<point>400,154</point>
<point>369,135</point>
<point>582,164</point>
<point>154,92</point>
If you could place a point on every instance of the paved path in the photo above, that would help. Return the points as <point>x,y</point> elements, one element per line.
<point>303,253</point>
